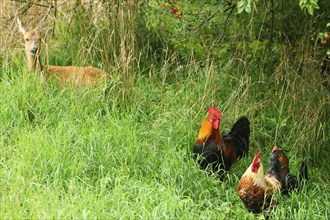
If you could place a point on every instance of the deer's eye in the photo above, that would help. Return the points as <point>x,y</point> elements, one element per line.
<point>27,39</point>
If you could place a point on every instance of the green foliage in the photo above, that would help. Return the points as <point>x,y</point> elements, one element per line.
<point>323,38</point>
<point>306,5</point>
<point>309,5</point>
<point>197,33</point>
<point>209,30</point>
<point>245,5</point>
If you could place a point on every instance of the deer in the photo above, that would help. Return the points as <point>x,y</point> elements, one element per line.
<point>75,74</point>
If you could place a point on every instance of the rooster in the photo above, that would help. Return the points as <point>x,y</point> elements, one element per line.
<point>278,167</point>
<point>255,189</point>
<point>221,151</point>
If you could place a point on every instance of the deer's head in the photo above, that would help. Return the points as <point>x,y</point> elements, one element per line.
<point>32,37</point>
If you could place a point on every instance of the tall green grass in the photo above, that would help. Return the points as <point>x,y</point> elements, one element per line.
<point>89,154</point>
<point>124,151</point>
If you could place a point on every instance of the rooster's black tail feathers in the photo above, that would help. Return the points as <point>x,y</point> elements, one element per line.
<point>241,133</point>
<point>303,172</point>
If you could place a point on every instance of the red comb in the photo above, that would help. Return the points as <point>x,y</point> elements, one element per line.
<point>215,111</point>
<point>274,149</point>
<point>257,157</point>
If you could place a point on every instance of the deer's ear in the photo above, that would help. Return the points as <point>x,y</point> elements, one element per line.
<point>41,23</point>
<point>21,26</point>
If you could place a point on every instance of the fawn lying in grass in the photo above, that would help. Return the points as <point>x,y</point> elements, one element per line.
<point>77,75</point>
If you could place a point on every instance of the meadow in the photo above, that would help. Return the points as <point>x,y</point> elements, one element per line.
<point>124,150</point>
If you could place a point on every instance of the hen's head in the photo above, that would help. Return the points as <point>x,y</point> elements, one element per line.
<point>214,117</point>
<point>255,172</point>
<point>275,148</point>
<point>278,161</point>
<point>256,168</point>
